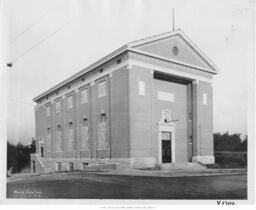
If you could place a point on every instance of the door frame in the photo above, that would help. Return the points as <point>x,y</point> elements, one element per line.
<point>166,127</point>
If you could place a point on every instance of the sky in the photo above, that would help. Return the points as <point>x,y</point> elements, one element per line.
<point>50,40</point>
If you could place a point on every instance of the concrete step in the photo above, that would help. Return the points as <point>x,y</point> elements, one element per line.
<point>182,166</point>
<point>100,167</point>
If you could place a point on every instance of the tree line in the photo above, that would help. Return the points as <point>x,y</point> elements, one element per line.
<point>18,155</point>
<point>229,142</point>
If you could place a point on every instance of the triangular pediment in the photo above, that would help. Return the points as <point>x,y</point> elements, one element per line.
<point>176,47</point>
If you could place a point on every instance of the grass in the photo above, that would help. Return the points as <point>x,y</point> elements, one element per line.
<point>229,159</point>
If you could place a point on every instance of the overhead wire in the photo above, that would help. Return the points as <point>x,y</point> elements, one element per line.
<point>46,38</point>
<point>28,28</point>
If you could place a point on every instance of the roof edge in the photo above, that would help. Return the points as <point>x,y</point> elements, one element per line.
<point>80,73</point>
<point>129,47</point>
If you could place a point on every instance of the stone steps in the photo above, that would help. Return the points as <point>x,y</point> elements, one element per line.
<point>182,166</point>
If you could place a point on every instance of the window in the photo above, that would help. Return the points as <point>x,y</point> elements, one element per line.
<point>205,99</point>
<point>102,133</point>
<point>84,165</point>
<point>190,140</point>
<point>48,111</point>
<point>58,138</point>
<point>70,136</point>
<point>84,96</point>
<point>175,50</point>
<point>141,88</point>
<point>71,166</point>
<point>85,134</point>
<point>118,61</point>
<point>48,139</point>
<point>57,106</point>
<point>102,89</point>
<point>190,116</point>
<point>58,166</point>
<point>70,102</point>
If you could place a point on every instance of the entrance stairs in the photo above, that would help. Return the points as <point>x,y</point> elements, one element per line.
<point>41,166</point>
<point>183,166</point>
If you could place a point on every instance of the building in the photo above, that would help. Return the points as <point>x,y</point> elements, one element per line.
<point>147,103</point>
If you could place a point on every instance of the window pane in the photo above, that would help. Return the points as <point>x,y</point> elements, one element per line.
<point>49,139</point>
<point>102,89</point>
<point>102,133</point>
<point>48,111</point>
<point>70,102</point>
<point>84,96</point>
<point>141,88</point>
<point>57,106</point>
<point>70,136</point>
<point>85,135</point>
<point>59,136</point>
<point>205,99</point>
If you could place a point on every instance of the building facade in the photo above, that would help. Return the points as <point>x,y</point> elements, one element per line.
<point>147,103</point>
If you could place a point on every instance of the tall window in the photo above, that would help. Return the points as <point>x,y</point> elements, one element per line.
<point>58,138</point>
<point>70,136</point>
<point>102,133</point>
<point>205,99</point>
<point>48,111</point>
<point>57,106</point>
<point>102,89</point>
<point>141,85</point>
<point>70,102</point>
<point>49,139</point>
<point>85,134</point>
<point>84,96</point>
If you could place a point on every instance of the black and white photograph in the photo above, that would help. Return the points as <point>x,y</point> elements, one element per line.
<point>127,101</point>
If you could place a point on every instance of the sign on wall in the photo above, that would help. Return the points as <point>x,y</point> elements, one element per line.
<point>165,96</point>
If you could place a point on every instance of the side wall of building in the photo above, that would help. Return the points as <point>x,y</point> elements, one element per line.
<point>202,122</point>
<point>74,131</point>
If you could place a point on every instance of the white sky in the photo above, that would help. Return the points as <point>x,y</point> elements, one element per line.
<point>92,28</point>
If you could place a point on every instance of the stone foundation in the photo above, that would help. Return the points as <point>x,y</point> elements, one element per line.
<point>204,159</point>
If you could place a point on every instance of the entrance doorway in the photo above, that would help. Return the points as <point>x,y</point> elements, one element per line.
<point>166,138</point>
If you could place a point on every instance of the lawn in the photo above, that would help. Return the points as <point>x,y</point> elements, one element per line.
<point>229,159</point>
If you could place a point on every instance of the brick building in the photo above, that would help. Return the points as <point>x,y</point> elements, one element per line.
<point>149,102</point>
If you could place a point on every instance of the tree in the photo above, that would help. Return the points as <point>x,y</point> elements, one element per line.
<point>229,142</point>
<point>18,156</point>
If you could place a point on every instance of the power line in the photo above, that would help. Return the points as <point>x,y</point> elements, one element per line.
<point>28,28</point>
<point>43,40</point>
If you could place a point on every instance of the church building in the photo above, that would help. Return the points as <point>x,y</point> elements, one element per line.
<point>148,103</point>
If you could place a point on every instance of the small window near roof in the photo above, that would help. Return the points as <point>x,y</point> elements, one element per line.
<point>118,61</point>
<point>70,102</point>
<point>84,96</point>
<point>57,106</point>
<point>102,89</point>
